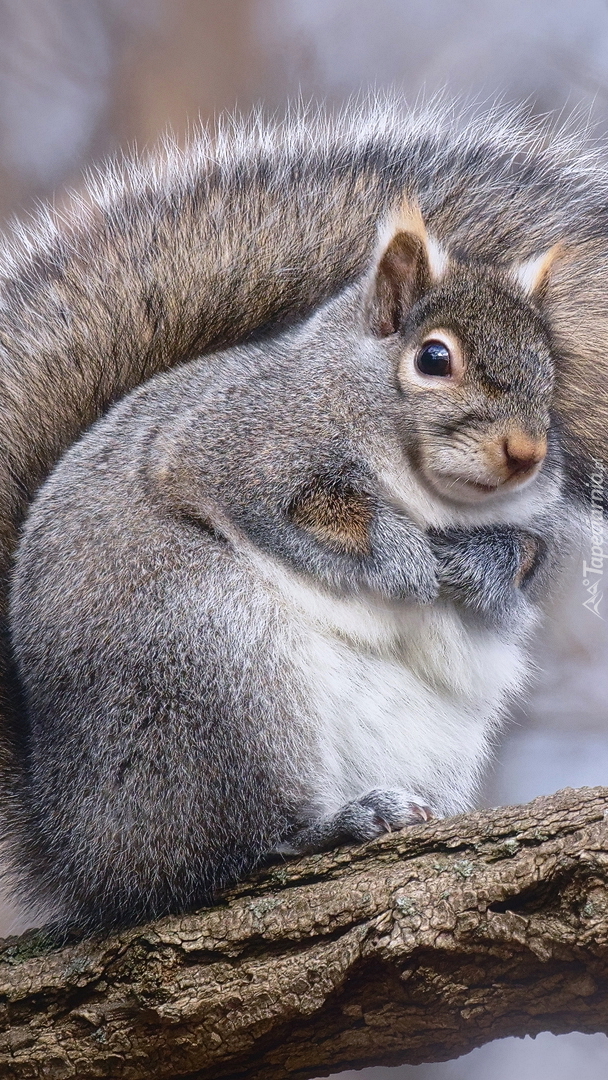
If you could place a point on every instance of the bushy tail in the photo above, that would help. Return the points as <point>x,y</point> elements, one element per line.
<point>163,260</point>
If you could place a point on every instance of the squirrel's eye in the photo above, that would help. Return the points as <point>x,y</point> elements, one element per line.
<point>434,359</point>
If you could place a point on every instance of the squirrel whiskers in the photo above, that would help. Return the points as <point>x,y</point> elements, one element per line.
<point>279,597</point>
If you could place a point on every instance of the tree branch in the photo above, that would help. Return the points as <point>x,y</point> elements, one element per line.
<point>416,947</point>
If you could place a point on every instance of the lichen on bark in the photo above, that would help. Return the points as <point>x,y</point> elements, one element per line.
<point>415,947</point>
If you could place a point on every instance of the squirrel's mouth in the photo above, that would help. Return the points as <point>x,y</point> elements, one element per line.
<point>474,469</point>
<point>484,489</point>
<point>462,489</point>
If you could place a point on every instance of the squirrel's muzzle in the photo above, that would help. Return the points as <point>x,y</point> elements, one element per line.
<point>516,456</point>
<point>522,454</point>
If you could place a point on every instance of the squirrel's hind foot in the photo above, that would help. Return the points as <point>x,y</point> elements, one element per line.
<point>379,811</point>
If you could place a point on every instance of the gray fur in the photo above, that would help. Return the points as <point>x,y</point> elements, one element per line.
<point>173,738</point>
<point>167,259</point>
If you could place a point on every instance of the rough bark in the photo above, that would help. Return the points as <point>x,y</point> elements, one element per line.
<point>416,947</point>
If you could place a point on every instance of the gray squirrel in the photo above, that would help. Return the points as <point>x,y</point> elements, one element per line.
<point>278,598</point>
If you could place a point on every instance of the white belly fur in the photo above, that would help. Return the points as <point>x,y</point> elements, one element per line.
<point>404,696</point>
<point>386,723</point>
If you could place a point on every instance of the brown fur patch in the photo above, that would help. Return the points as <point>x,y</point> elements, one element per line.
<point>529,554</point>
<point>340,517</point>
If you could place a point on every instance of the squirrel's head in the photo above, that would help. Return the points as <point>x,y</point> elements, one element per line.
<point>473,361</point>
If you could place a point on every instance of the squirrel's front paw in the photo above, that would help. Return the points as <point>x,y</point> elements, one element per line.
<point>486,568</point>
<point>403,564</point>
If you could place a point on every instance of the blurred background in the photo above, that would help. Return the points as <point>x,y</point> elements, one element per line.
<point>81,79</point>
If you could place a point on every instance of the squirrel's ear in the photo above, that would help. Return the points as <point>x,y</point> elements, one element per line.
<point>533,275</point>
<point>408,261</point>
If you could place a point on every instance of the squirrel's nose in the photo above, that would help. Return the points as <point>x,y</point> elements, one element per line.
<point>522,453</point>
